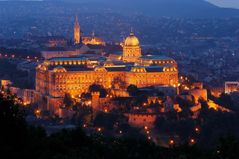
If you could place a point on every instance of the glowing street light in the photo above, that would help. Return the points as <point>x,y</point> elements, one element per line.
<point>171,142</point>
<point>37,113</point>
<point>106,110</point>
<point>197,130</point>
<point>89,103</point>
<point>84,125</point>
<point>192,141</point>
<point>99,129</point>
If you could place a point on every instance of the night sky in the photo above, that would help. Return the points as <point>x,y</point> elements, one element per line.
<point>222,3</point>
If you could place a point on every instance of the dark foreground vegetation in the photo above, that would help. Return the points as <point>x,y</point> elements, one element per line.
<point>19,140</point>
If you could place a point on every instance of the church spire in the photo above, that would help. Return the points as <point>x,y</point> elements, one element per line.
<point>76,31</point>
<point>76,20</point>
<point>93,33</point>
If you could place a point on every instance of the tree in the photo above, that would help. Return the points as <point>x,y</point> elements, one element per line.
<point>118,83</point>
<point>228,147</point>
<point>17,138</point>
<point>98,88</point>
<point>132,90</point>
<point>105,120</point>
<point>86,96</point>
<point>83,115</point>
<point>68,101</point>
<point>225,100</point>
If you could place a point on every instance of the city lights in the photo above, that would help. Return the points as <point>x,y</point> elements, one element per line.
<point>171,142</point>
<point>192,141</point>
<point>99,129</point>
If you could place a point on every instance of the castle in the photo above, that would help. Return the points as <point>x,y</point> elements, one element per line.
<point>60,75</point>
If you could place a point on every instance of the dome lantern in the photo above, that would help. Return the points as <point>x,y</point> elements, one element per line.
<point>131,40</point>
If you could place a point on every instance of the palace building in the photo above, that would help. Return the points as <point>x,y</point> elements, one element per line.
<point>60,75</point>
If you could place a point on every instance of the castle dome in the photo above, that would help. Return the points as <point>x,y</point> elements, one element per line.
<point>131,40</point>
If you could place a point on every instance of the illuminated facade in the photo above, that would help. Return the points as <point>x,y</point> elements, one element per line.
<point>141,119</point>
<point>92,40</point>
<point>72,75</point>
<point>76,31</point>
<point>57,76</point>
<point>231,87</point>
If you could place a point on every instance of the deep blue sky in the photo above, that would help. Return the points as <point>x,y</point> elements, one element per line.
<point>221,3</point>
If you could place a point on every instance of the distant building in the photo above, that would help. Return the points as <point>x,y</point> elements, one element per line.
<point>61,53</point>
<point>92,40</point>
<point>141,119</point>
<point>231,87</point>
<point>27,95</point>
<point>197,85</point>
<point>198,94</point>
<point>217,91</point>
<point>56,42</point>
<point>91,51</point>
<point>5,83</point>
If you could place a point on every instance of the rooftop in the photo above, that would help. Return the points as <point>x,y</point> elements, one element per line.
<point>67,59</point>
<point>154,69</point>
<point>156,57</point>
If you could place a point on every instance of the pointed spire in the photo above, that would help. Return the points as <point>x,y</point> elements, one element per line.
<point>131,31</point>
<point>93,33</point>
<point>76,20</point>
<point>76,31</point>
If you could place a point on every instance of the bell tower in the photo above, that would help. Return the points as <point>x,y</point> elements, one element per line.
<point>76,31</point>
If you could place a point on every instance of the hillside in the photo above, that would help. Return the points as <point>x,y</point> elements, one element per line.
<point>175,8</point>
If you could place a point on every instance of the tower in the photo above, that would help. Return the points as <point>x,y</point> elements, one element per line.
<point>76,31</point>
<point>95,100</point>
<point>131,48</point>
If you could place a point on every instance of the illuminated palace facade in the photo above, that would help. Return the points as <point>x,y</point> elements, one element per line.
<point>57,76</point>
